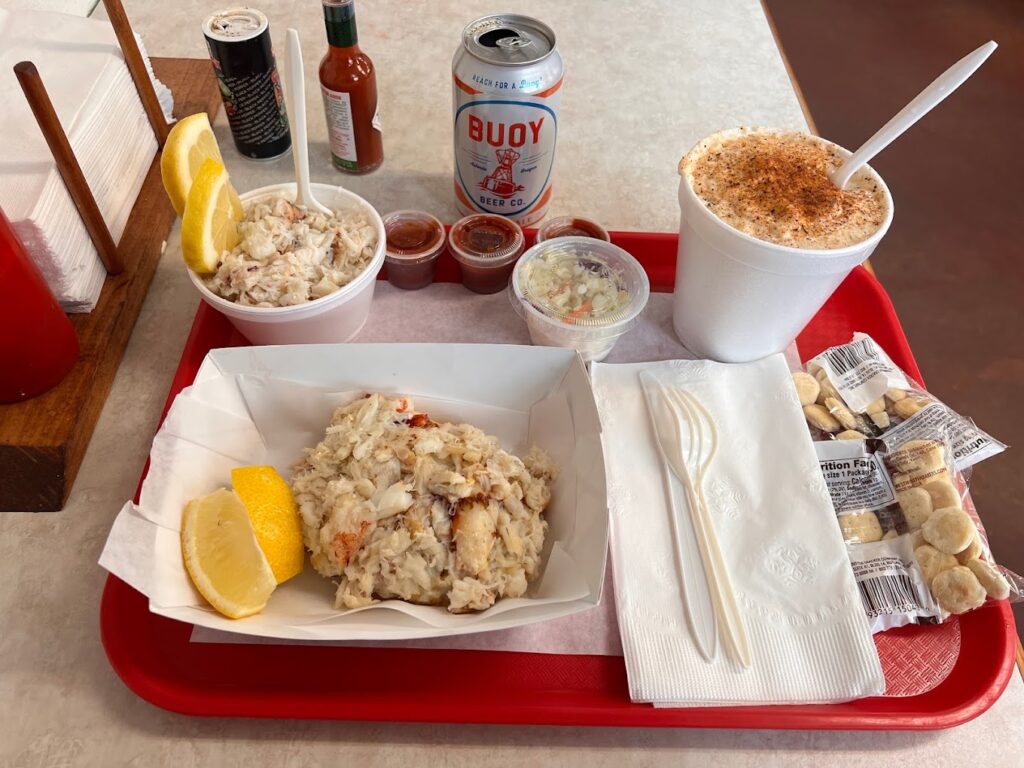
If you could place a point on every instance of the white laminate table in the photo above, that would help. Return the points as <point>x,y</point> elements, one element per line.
<point>644,81</point>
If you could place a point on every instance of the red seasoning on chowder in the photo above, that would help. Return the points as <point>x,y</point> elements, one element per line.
<point>506,82</point>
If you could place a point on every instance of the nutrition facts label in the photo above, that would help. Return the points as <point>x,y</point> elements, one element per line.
<point>341,135</point>
<point>856,479</point>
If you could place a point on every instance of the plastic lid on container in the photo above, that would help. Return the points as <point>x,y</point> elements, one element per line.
<point>581,282</point>
<point>571,226</point>
<point>486,240</point>
<point>412,237</point>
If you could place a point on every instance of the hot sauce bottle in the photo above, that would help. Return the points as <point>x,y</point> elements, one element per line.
<point>349,87</point>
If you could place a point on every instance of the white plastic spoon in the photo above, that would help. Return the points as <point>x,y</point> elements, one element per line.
<point>297,115</point>
<point>922,104</point>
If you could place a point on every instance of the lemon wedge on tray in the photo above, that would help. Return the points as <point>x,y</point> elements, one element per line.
<point>223,557</point>
<point>275,518</point>
<point>210,224</point>
<point>189,143</point>
<point>238,545</point>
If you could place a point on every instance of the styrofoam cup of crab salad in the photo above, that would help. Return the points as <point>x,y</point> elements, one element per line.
<point>298,276</point>
<point>579,292</point>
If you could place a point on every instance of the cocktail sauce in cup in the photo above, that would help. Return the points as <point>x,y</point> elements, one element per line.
<point>579,292</point>
<point>414,241</point>
<point>486,247</point>
<point>571,226</point>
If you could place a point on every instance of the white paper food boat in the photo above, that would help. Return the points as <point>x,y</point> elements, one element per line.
<point>523,395</point>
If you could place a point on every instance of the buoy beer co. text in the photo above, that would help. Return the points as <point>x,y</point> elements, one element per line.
<point>494,133</point>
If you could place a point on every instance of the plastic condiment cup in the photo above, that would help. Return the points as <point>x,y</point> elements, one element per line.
<point>414,241</point>
<point>738,298</point>
<point>571,226</point>
<point>592,334</point>
<point>486,247</point>
<point>336,317</point>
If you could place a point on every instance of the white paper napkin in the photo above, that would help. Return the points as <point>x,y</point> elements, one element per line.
<point>99,108</point>
<point>810,641</point>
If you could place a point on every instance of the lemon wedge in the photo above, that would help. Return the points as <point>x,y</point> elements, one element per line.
<point>189,144</point>
<point>210,224</point>
<point>275,518</point>
<point>223,557</point>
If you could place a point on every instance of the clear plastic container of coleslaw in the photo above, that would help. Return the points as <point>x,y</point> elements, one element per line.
<point>579,292</point>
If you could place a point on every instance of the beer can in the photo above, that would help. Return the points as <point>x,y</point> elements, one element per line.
<point>243,61</point>
<point>506,81</point>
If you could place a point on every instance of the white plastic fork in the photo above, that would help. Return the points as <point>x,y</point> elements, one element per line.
<point>700,453</point>
<point>697,451</point>
<point>694,573</point>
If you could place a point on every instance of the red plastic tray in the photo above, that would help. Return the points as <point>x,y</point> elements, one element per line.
<point>155,658</point>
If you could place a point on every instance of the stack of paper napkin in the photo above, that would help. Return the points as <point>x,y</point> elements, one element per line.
<point>771,512</point>
<point>85,75</point>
